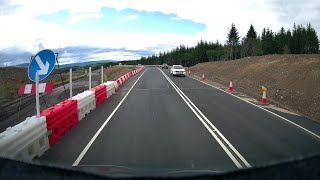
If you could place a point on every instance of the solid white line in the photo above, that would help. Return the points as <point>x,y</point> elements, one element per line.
<point>220,134</point>
<point>235,161</point>
<point>283,118</point>
<point>84,151</point>
<point>165,81</point>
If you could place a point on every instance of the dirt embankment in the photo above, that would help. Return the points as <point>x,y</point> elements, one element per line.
<point>12,77</point>
<point>293,81</point>
<point>113,73</point>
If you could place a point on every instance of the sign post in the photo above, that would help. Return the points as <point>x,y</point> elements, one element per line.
<point>89,78</point>
<point>70,81</point>
<point>37,95</point>
<point>101,74</point>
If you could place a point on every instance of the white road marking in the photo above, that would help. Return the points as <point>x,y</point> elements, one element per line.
<point>165,81</point>
<point>213,129</point>
<point>84,151</point>
<point>283,118</point>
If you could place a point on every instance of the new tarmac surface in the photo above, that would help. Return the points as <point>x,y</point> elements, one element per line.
<point>159,122</point>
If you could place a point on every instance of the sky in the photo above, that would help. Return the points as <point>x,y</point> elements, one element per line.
<point>90,30</point>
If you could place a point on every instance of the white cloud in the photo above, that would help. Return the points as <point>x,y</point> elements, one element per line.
<point>29,33</point>
<point>114,55</point>
<point>20,28</point>
<point>77,17</point>
<point>66,60</point>
<point>217,15</point>
<point>131,17</point>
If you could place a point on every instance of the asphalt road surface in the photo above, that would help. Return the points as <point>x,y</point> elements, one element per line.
<point>176,124</point>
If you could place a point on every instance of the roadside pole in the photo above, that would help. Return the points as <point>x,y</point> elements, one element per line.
<point>37,94</point>
<point>89,78</point>
<point>101,74</point>
<point>70,82</point>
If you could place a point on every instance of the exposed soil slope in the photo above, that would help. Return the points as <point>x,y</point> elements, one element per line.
<point>293,81</point>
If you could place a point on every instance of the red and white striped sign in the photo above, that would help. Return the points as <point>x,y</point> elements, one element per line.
<point>31,88</point>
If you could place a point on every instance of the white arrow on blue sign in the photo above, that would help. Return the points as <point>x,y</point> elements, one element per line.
<point>44,63</point>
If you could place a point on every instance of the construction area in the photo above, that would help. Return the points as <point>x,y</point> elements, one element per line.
<point>15,108</point>
<point>292,81</point>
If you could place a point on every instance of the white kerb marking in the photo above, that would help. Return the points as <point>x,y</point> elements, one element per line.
<point>84,151</point>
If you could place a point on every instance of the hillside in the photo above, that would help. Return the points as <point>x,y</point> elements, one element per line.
<point>86,63</point>
<point>293,81</point>
<point>12,77</point>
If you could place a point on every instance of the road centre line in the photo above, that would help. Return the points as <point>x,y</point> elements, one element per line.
<point>213,129</point>
<point>84,151</point>
<point>283,118</point>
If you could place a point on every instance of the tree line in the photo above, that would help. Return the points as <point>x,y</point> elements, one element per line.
<point>299,40</point>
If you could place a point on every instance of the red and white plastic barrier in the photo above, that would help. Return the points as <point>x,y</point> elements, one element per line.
<point>100,92</point>
<point>25,140</point>
<point>86,103</point>
<point>117,84</point>
<point>110,88</point>
<point>60,118</point>
<point>123,78</point>
<point>31,88</point>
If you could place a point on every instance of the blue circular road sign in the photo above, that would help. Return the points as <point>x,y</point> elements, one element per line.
<point>44,63</point>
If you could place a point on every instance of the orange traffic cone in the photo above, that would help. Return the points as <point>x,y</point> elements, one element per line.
<point>230,86</point>
<point>264,97</point>
<point>203,77</point>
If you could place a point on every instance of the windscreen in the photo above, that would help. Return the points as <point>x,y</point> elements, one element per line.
<point>171,87</point>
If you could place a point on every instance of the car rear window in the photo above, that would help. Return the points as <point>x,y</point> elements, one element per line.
<point>177,67</point>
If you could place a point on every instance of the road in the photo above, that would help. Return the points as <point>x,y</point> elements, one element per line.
<point>174,124</point>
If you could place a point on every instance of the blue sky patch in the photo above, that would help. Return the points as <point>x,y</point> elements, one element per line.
<point>124,21</point>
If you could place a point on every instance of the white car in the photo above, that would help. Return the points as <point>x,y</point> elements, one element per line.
<point>177,70</point>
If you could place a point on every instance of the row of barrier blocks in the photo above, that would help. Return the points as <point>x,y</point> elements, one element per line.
<point>123,78</point>
<point>34,136</point>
